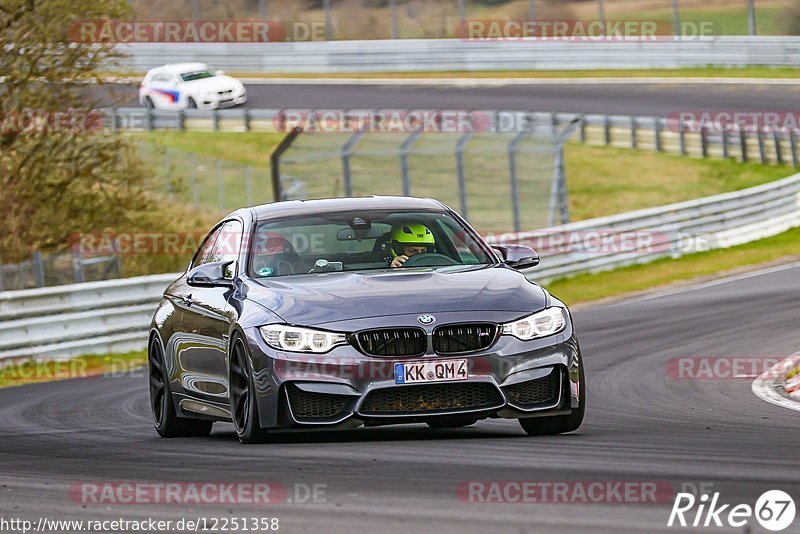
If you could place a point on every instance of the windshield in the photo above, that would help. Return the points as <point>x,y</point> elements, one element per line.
<point>363,241</point>
<point>196,75</point>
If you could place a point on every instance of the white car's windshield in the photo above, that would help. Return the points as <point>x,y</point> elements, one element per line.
<point>196,75</point>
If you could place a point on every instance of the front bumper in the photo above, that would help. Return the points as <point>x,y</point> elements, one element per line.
<point>222,101</point>
<point>345,388</point>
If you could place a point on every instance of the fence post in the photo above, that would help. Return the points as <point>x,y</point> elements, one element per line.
<point>248,184</point>
<point>405,148</point>
<point>393,11</point>
<point>682,138</point>
<point>148,119</point>
<point>762,148</point>
<point>676,20</point>
<point>725,153</point>
<point>607,126</point>
<point>347,151</point>
<point>220,185</point>
<point>512,176</point>
<point>215,119</point>
<point>77,264</point>
<point>793,147</point>
<point>181,120</point>
<point>462,175</point>
<point>326,4</point>
<point>634,140</point>
<point>583,130</point>
<point>193,178</point>
<point>704,141</point>
<point>2,288</point>
<point>743,144</point>
<point>38,268</point>
<point>751,17</point>
<point>776,137</point>
<point>657,133</point>
<point>247,120</point>
<point>275,161</point>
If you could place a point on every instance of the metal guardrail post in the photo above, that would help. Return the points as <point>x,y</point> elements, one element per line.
<point>247,120</point>
<point>77,264</point>
<point>607,127</point>
<point>181,120</point>
<point>776,137</point>
<point>583,130</point>
<point>634,140</point>
<point>793,147</point>
<point>275,161</point>
<point>326,4</point>
<point>461,172</point>
<point>347,151</point>
<point>2,287</point>
<point>215,119</point>
<point>405,148</point>
<point>148,119</point>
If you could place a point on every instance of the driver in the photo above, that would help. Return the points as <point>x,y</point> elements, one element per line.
<point>409,240</point>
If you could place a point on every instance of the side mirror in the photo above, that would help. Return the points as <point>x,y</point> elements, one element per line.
<point>219,73</point>
<point>517,256</point>
<point>214,274</point>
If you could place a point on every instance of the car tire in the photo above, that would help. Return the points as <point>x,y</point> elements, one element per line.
<point>190,103</point>
<point>558,424</point>
<point>244,409</point>
<point>451,422</point>
<point>165,418</point>
<point>148,103</point>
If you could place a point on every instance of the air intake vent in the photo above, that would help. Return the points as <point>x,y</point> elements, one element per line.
<point>422,399</point>
<point>464,338</point>
<point>535,392</point>
<point>393,342</point>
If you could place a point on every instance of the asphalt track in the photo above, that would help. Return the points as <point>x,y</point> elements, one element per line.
<point>623,98</point>
<point>641,425</point>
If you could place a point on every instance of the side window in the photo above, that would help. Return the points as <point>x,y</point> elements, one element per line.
<point>203,254</point>
<point>460,243</point>
<point>228,245</point>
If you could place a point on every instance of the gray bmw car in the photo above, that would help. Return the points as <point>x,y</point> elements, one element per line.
<point>332,314</point>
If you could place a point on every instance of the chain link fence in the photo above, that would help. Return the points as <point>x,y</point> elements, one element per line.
<point>507,176</point>
<point>43,270</point>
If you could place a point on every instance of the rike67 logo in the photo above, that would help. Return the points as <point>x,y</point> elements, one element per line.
<point>774,511</point>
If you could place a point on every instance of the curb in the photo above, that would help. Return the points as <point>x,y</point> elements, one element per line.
<point>771,385</point>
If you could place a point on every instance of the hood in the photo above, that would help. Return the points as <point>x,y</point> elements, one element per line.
<point>215,83</point>
<point>327,297</point>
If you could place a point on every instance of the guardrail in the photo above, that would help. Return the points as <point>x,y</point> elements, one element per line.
<point>662,134</point>
<point>417,55</point>
<point>112,316</point>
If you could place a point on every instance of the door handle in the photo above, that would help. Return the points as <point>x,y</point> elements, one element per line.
<point>187,299</point>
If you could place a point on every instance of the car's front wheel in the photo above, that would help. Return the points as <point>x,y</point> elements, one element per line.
<point>148,103</point>
<point>165,419</point>
<point>244,408</point>
<point>191,104</point>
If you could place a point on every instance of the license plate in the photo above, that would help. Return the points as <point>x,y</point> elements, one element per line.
<point>441,371</point>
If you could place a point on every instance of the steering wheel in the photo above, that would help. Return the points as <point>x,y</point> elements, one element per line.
<point>429,259</point>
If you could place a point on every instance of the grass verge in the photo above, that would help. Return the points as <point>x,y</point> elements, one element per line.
<point>19,372</point>
<point>592,287</point>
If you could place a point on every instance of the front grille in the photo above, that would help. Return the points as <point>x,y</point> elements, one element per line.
<point>393,342</point>
<point>310,405</point>
<point>533,392</point>
<point>463,338</point>
<point>421,399</point>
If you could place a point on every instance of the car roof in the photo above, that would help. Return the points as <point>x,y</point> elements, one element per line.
<point>333,205</point>
<point>177,68</point>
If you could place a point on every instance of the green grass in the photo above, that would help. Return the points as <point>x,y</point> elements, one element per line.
<point>19,372</point>
<point>591,287</point>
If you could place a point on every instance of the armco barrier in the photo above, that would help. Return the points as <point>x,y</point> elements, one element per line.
<point>111,316</point>
<point>420,55</point>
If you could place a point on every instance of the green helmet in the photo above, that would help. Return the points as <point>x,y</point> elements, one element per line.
<point>411,235</point>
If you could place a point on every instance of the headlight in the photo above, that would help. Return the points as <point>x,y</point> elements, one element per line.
<point>541,324</point>
<point>238,88</point>
<point>283,337</point>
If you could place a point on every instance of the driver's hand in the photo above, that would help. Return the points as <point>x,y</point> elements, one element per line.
<point>399,261</point>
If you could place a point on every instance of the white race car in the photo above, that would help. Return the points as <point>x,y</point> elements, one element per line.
<point>190,86</point>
